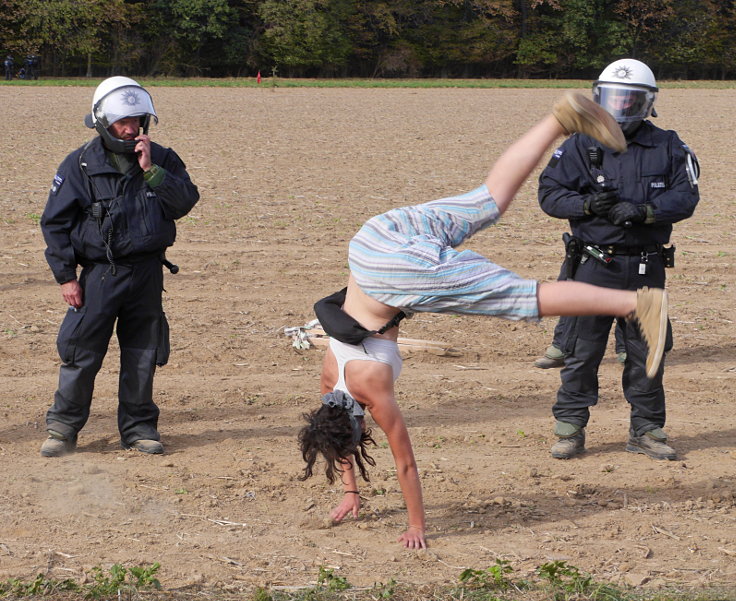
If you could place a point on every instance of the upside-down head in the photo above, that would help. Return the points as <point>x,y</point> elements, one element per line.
<point>337,432</point>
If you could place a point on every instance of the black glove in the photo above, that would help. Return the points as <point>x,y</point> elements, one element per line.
<point>600,203</point>
<point>625,211</point>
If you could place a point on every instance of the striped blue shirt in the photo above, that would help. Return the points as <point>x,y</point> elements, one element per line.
<point>406,258</point>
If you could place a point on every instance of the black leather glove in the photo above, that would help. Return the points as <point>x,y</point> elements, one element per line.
<point>623,212</point>
<point>600,203</point>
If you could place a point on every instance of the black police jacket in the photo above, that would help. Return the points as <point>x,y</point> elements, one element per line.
<point>653,171</point>
<point>133,218</point>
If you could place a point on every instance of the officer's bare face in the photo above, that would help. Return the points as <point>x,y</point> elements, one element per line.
<point>125,129</point>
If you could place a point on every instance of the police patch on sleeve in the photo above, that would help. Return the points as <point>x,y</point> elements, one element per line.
<point>56,184</point>
<point>555,158</point>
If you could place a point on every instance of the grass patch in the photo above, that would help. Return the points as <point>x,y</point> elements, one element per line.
<point>118,582</point>
<point>282,82</point>
<point>552,581</point>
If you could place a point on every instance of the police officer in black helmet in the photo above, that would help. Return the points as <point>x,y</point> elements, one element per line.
<point>621,207</point>
<point>111,210</point>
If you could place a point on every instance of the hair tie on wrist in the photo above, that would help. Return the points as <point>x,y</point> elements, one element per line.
<point>355,492</point>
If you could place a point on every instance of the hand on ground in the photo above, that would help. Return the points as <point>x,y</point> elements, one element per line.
<point>413,538</point>
<point>350,504</point>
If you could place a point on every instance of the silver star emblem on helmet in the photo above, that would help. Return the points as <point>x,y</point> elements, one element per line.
<point>622,72</point>
<point>130,98</point>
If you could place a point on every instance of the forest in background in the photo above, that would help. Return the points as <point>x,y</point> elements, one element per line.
<point>679,39</point>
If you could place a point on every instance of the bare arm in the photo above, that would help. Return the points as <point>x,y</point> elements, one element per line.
<point>372,385</point>
<point>350,501</point>
<point>351,496</point>
<point>406,470</point>
<point>516,163</point>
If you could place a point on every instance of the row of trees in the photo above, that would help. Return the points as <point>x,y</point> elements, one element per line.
<point>371,38</point>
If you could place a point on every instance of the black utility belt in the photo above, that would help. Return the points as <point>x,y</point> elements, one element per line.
<point>606,254</point>
<point>629,251</point>
<point>127,261</point>
<point>577,252</point>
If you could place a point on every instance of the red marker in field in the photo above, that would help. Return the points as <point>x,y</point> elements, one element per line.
<point>258,78</point>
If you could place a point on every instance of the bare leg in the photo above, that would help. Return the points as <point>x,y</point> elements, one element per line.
<point>571,113</point>
<point>516,163</point>
<point>578,298</point>
<point>647,306</point>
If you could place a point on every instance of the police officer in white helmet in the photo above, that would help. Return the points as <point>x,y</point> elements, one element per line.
<point>627,89</point>
<point>111,211</point>
<point>620,207</point>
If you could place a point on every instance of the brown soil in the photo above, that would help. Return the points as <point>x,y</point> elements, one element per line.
<point>286,177</point>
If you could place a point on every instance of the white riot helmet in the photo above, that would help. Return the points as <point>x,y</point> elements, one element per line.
<point>627,89</point>
<point>118,98</point>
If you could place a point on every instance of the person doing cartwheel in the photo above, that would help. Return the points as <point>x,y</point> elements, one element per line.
<point>405,261</point>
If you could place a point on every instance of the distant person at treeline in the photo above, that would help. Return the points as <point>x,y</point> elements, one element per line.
<point>9,65</point>
<point>32,66</point>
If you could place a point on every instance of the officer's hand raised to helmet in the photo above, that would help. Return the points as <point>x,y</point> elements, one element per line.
<point>627,212</point>
<point>600,203</point>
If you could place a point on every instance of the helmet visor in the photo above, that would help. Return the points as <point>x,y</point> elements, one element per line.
<point>625,103</point>
<point>128,101</point>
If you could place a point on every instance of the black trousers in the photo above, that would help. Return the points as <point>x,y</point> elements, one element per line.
<point>586,338</point>
<point>130,301</point>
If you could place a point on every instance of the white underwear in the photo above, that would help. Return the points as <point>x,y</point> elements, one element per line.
<point>371,349</point>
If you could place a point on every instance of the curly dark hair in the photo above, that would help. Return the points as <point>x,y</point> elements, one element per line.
<point>328,432</point>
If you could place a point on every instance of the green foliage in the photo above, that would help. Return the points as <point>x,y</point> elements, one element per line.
<point>182,29</point>
<point>305,33</point>
<point>118,578</point>
<point>557,573</point>
<point>558,581</point>
<point>425,83</point>
<point>105,584</point>
<point>196,20</point>
<point>536,52</point>
<point>261,594</point>
<point>40,586</point>
<point>494,577</point>
<point>145,577</point>
<point>568,582</point>
<point>384,591</point>
<point>445,38</point>
<point>329,580</point>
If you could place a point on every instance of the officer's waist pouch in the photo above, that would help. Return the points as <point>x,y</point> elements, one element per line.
<point>341,326</point>
<point>573,253</point>
<point>668,255</point>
